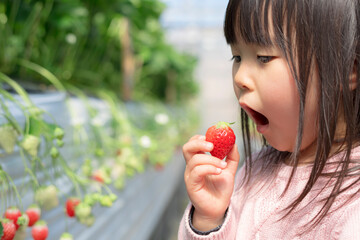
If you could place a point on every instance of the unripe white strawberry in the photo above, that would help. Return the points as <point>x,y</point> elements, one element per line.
<point>47,197</point>
<point>66,236</point>
<point>31,144</point>
<point>59,133</point>
<point>82,210</point>
<point>8,136</point>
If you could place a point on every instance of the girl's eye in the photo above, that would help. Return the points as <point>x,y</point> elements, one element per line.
<point>264,59</point>
<point>237,59</point>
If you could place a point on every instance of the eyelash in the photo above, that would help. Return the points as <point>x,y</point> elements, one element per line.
<point>264,59</point>
<point>261,59</point>
<point>237,59</point>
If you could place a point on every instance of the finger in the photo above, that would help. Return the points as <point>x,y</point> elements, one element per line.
<point>196,146</point>
<point>197,137</point>
<point>199,172</point>
<point>204,159</point>
<point>233,159</point>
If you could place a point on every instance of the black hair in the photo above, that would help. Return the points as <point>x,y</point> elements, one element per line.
<point>321,33</point>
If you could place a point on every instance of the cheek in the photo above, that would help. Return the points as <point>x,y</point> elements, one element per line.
<point>282,104</point>
<point>235,87</point>
<point>281,86</point>
<point>236,90</point>
<point>283,97</point>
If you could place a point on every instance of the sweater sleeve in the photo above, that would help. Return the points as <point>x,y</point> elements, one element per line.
<point>227,230</point>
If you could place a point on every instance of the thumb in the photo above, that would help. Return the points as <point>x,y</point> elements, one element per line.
<point>233,159</point>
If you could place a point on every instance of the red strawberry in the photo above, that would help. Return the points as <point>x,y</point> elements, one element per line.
<point>40,230</point>
<point>70,205</point>
<point>13,214</point>
<point>223,138</point>
<point>9,229</point>
<point>97,176</point>
<point>33,212</point>
<point>101,175</point>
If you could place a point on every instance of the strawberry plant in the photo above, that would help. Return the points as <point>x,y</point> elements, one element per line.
<point>58,45</point>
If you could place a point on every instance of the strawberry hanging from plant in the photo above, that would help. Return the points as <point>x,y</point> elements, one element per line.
<point>40,230</point>
<point>33,213</point>
<point>8,137</point>
<point>47,197</point>
<point>8,229</point>
<point>223,138</point>
<point>31,144</point>
<point>13,213</point>
<point>70,205</point>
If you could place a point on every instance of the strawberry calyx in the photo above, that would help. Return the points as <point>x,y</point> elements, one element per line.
<point>23,220</point>
<point>223,124</point>
<point>66,236</point>
<point>40,223</point>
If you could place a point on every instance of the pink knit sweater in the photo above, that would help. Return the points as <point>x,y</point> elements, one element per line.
<point>255,210</point>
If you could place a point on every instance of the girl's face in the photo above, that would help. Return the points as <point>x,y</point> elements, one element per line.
<point>266,90</point>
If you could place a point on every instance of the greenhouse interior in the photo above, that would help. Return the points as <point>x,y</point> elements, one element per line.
<point>97,99</point>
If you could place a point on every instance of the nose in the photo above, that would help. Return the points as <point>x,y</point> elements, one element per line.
<point>242,77</point>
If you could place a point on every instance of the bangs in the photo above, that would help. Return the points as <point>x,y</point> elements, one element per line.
<point>248,20</point>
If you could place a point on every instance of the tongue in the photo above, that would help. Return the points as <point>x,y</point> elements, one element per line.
<point>260,119</point>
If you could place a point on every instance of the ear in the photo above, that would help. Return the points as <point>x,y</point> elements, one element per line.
<point>353,77</point>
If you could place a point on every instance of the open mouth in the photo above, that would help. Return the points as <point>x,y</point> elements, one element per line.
<point>257,117</point>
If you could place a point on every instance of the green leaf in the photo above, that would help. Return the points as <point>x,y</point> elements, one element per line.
<point>38,127</point>
<point>1,230</point>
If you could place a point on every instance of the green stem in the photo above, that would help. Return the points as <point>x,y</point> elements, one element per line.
<point>119,114</point>
<point>10,118</point>
<point>72,176</point>
<point>108,190</point>
<point>28,170</point>
<point>12,185</point>
<point>14,10</point>
<point>17,88</point>
<point>43,72</point>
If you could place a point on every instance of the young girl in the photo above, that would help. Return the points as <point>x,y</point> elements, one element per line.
<point>296,76</point>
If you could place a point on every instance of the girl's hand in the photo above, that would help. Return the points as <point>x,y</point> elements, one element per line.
<point>209,182</point>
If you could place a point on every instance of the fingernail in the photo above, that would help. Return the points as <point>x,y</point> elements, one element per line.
<point>202,137</point>
<point>223,164</point>
<point>218,170</point>
<point>209,145</point>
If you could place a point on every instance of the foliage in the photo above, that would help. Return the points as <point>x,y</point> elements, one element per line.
<point>95,53</point>
<point>84,43</point>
